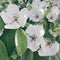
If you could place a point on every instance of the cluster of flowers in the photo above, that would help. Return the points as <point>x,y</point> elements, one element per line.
<point>15,18</point>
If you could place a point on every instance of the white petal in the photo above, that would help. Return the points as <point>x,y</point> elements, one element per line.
<point>24,13</point>
<point>14,25</point>
<point>35,3</point>
<point>35,29</point>
<point>5,17</point>
<point>55,8</point>
<point>39,4</point>
<point>49,51</point>
<point>12,9</point>
<point>32,44</point>
<point>42,42</point>
<point>41,30</point>
<point>52,15</point>
<point>32,15</point>
<point>34,12</point>
<point>35,45</point>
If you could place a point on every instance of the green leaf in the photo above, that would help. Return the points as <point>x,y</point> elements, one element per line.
<point>3,51</point>
<point>58,20</point>
<point>1,23</point>
<point>14,55</point>
<point>54,57</point>
<point>48,35</point>
<point>20,41</point>
<point>57,56</point>
<point>8,38</point>
<point>46,25</point>
<point>48,11</point>
<point>28,55</point>
<point>58,38</point>
<point>1,8</point>
<point>1,1</point>
<point>52,26</point>
<point>57,30</point>
<point>37,57</point>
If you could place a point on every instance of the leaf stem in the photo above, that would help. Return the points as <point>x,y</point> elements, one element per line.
<point>49,57</point>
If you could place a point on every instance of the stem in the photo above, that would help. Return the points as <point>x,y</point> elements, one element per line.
<point>49,57</point>
<point>56,57</point>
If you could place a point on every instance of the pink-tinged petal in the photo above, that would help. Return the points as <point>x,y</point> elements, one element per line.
<point>14,25</point>
<point>32,45</point>
<point>5,17</point>
<point>35,29</point>
<point>12,9</point>
<point>23,16</point>
<point>49,51</point>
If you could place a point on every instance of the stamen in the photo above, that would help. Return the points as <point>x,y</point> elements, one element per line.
<point>34,37</point>
<point>37,16</point>
<point>49,43</point>
<point>51,17</point>
<point>15,16</point>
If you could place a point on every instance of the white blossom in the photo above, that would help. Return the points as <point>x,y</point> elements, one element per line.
<point>40,4</point>
<point>53,15</point>
<point>55,3</point>
<point>34,34</point>
<point>50,49</point>
<point>36,15</point>
<point>37,11</point>
<point>14,18</point>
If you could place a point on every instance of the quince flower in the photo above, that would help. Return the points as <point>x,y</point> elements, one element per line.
<point>36,15</point>
<point>53,15</point>
<point>34,34</point>
<point>37,11</point>
<point>14,18</point>
<point>49,49</point>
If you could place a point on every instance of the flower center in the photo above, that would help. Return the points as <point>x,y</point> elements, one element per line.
<point>41,0</point>
<point>49,43</point>
<point>34,37</point>
<point>51,17</point>
<point>15,17</point>
<point>37,16</point>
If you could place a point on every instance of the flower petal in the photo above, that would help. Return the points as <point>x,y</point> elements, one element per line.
<point>23,16</point>
<point>32,15</point>
<point>32,45</point>
<point>36,14</point>
<point>35,29</point>
<point>5,17</point>
<point>14,25</point>
<point>49,51</point>
<point>12,9</point>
